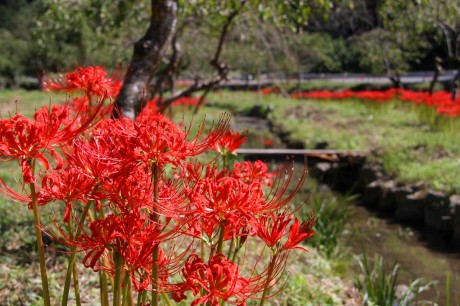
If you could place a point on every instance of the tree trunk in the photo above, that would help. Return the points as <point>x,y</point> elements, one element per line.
<point>455,85</point>
<point>437,72</point>
<point>148,52</point>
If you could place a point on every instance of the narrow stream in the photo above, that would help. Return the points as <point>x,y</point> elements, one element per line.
<point>368,231</point>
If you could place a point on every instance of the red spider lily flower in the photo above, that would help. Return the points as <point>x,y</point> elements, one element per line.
<point>268,143</point>
<point>226,201</point>
<point>149,112</point>
<point>97,156</point>
<point>130,234</point>
<point>163,142</point>
<point>187,101</point>
<point>26,140</point>
<point>248,173</point>
<point>133,190</point>
<point>229,142</point>
<point>68,185</point>
<point>219,280</point>
<point>272,228</point>
<point>278,196</point>
<point>169,263</point>
<point>299,232</point>
<point>93,80</point>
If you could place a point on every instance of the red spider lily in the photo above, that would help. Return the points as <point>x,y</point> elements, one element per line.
<point>299,232</point>
<point>93,80</point>
<point>268,143</point>
<point>226,201</point>
<point>169,263</point>
<point>25,139</point>
<point>149,112</point>
<point>219,279</point>
<point>268,91</point>
<point>129,189</point>
<point>272,228</point>
<point>381,96</point>
<point>152,105</point>
<point>82,105</point>
<point>278,196</point>
<point>441,100</point>
<point>248,173</point>
<point>161,142</point>
<point>130,234</point>
<point>449,110</point>
<point>133,190</point>
<point>229,142</point>
<point>68,185</point>
<point>95,158</point>
<point>187,101</point>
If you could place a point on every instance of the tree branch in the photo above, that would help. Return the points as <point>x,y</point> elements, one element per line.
<point>457,46</point>
<point>222,68</point>
<point>169,72</point>
<point>438,69</point>
<point>447,30</point>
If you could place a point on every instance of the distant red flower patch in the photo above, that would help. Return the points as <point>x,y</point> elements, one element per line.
<point>441,101</point>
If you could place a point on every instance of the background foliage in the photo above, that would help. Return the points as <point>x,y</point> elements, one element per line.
<point>289,36</point>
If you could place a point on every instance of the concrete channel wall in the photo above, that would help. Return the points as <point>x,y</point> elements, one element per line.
<point>437,213</point>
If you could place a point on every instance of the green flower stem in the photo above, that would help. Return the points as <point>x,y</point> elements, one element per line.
<point>125,298</point>
<point>166,299</point>
<point>224,160</point>
<point>230,249</point>
<point>202,247</point>
<point>130,291</point>
<point>220,242</point>
<point>238,248</point>
<point>73,255</point>
<point>117,278</point>
<point>40,245</point>
<point>271,268</point>
<point>102,275</point>
<point>154,216</point>
<point>76,285</point>
<point>103,288</point>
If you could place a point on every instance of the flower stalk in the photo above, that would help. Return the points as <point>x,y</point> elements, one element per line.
<point>38,234</point>
<point>117,278</point>
<point>73,255</point>
<point>271,268</point>
<point>154,216</point>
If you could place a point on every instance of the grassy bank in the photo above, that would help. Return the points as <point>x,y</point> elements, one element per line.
<point>412,144</point>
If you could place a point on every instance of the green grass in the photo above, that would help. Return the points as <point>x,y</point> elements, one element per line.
<point>412,143</point>
<point>381,289</point>
<point>25,102</point>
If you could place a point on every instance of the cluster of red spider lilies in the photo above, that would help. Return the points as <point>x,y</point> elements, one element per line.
<point>441,101</point>
<point>139,207</point>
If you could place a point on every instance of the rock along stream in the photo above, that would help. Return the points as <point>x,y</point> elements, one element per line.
<point>377,234</point>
